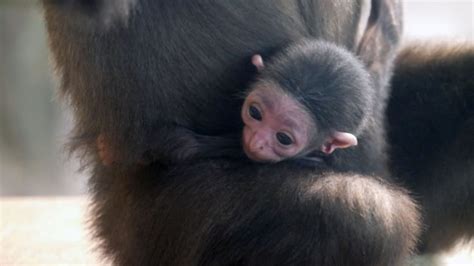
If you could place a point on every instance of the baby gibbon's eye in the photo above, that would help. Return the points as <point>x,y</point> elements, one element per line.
<point>255,113</point>
<point>284,139</point>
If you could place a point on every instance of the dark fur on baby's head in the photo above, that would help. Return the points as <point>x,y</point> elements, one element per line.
<point>328,80</point>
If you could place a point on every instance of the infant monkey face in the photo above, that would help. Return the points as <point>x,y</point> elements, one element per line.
<point>276,126</point>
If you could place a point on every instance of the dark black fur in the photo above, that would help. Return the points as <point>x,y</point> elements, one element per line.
<point>328,80</point>
<point>228,213</point>
<point>177,63</point>
<point>431,131</point>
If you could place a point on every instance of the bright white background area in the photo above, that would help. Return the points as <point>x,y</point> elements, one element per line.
<point>439,19</point>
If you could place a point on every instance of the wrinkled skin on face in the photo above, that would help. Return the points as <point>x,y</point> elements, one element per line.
<point>276,126</point>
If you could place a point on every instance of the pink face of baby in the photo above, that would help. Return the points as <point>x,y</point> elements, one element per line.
<point>276,127</point>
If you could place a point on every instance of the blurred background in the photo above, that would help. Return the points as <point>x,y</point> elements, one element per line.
<point>34,125</point>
